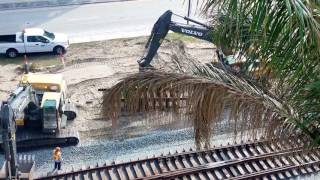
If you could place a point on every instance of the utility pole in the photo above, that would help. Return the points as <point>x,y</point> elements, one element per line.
<point>189,10</point>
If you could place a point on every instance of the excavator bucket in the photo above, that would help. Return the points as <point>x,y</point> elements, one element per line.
<point>26,166</point>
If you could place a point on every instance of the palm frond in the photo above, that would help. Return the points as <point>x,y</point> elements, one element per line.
<point>197,99</point>
<point>282,35</point>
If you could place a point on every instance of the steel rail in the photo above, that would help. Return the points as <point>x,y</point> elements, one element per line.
<point>274,171</point>
<point>159,158</point>
<point>193,163</point>
<point>225,164</point>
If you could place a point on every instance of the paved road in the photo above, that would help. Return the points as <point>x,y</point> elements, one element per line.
<point>27,4</point>
<point>94,22</point>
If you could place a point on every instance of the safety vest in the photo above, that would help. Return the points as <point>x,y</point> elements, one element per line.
<point>57,156</point>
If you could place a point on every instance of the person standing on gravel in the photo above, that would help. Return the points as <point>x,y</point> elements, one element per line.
<point>57,158</point>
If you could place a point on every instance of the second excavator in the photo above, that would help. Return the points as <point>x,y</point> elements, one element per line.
<point>165,24</point>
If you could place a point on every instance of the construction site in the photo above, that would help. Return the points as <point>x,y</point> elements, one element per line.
<point>75,99</point>
<point>86,74</point>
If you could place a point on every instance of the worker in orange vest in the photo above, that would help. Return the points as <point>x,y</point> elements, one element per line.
<point>57,158</point>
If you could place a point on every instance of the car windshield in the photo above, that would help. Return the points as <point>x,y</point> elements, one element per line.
<point>49,35</point>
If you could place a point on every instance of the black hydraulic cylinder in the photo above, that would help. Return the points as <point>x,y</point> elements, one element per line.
<point>196,22</point>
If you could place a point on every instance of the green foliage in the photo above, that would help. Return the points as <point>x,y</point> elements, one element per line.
<point>308,102</point>
<point>283,35</point>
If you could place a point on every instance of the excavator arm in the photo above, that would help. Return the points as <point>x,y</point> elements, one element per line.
<point>161,28</point>
<point>201,31</point>
<point>8,130</point>
<point>15,167</point>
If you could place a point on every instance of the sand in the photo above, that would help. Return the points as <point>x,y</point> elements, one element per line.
<point>95,65</point>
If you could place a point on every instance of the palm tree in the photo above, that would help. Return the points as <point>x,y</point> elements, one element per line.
<point>283,36</point>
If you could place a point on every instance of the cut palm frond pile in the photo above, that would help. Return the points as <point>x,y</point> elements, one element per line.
<point>197,99</point>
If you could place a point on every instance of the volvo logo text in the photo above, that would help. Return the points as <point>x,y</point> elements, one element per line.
<point>192,32</point>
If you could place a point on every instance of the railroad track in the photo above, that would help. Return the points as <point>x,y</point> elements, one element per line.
<point>250,160</point>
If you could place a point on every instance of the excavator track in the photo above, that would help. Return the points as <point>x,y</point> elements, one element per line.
<point>33,139</point>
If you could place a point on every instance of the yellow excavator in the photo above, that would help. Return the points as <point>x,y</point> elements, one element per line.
<point>40,111</point>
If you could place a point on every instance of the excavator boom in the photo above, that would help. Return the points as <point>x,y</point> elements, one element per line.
<point>161,29</point>
<point>201,31</point>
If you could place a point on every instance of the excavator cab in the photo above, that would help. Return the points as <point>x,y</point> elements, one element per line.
<point>49,116</point>
<point>52,113</point>
<point>51,87</point>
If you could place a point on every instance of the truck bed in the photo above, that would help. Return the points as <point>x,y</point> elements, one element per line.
<point>8,38</point>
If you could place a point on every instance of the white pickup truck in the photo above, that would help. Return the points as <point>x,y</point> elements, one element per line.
<point>33,40</point>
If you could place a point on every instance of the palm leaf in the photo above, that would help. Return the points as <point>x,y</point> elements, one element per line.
<point>282,35</point>
<point>201,99</point>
